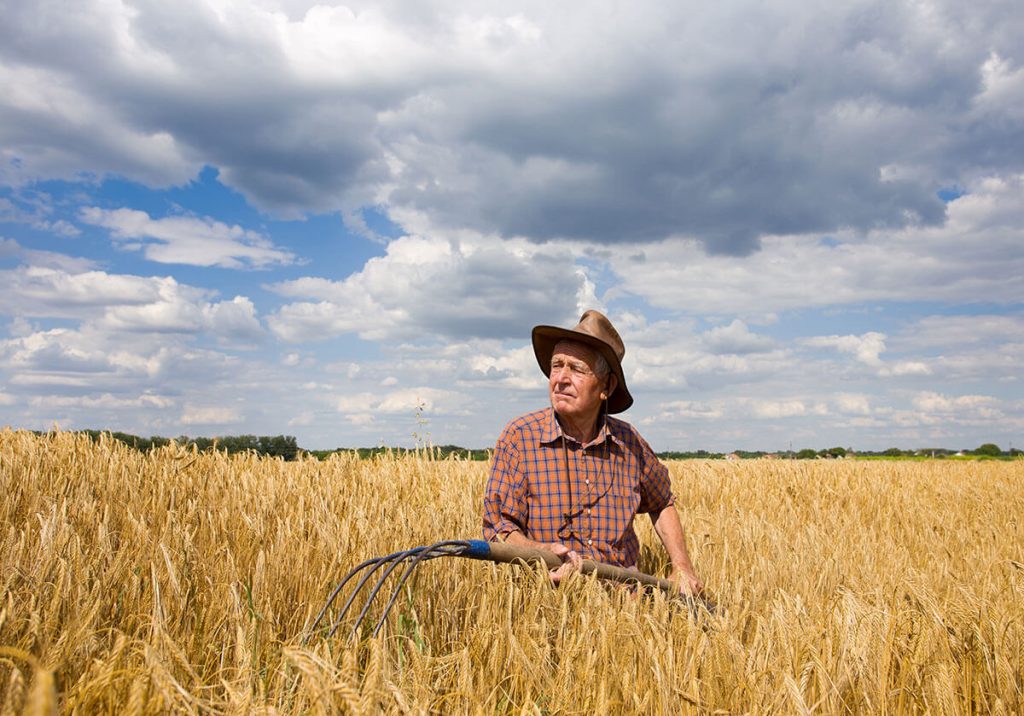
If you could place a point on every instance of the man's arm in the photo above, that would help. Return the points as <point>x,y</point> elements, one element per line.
<point>670,530</point>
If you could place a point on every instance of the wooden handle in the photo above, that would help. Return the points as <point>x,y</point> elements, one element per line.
<point>504,552</point>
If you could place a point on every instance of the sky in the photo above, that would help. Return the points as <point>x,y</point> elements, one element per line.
<point>341,221</point>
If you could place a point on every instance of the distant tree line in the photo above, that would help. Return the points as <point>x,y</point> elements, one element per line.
<point>442,452</point>
<point>286,447</point>
<point>283,446</point>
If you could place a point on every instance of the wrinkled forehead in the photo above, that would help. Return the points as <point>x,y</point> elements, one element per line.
<point>576,351</point>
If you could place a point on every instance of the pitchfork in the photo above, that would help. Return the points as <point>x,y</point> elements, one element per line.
<point>477,549</point>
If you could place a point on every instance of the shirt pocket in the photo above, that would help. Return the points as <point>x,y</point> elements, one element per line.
<point>620,505</point>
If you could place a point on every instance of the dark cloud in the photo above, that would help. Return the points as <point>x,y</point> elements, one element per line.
<point>621,124</point>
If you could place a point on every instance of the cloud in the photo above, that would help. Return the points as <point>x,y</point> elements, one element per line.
<point>853,404</point>
<point>977,405</point>
<point>210,416</point>
<point>865,348</point>
<point>974,258</point>
<point>736,338</point>
<point>431,289</point>
<point>687,409</point>
<point>125,303</point>
<point>187,240</point>
<point>961,331</point>
<point>9,248</point>
<point>104,401</point>
<point>720,123</point>
<point>776,409</point>
<point>35,209</point>
<point>412,402</point>
<point>39,291</point>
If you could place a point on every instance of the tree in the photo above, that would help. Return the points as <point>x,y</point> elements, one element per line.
<point>806,454</point>
<point>989,449</point>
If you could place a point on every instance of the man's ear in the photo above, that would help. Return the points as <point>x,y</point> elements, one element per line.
<point>613,383</point>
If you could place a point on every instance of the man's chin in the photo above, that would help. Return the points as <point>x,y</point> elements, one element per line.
<point>564,408</point>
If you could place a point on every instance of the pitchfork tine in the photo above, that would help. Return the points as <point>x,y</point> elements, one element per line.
<point>411,557</point>
<point>395,559</point>
<point>424,554</point>
<point>337,591</point>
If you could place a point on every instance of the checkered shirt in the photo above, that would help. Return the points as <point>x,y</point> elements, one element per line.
<point>591,509</point>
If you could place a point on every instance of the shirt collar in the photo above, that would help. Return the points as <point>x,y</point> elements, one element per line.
<point>551,430</point>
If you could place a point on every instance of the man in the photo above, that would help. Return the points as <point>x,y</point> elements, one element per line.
<point>570,478</point>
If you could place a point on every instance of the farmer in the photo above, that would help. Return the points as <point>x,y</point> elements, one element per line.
<point>570,478</point>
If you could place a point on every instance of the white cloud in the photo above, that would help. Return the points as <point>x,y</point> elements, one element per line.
<point>973,258</point>
<point>775,409</point>
<point>187,239</point>
<point>105,401</point>
<point>979,406</point>
<point>122,303</point>
<point>35,209</point>
<point>688,409</point>
<point>302,420</point>
<point>947,331</point>
<point>853,404</point>
<point>210,416</point>
<point>865,348</point>
<point>516,369</point>
<point>907,368</point>
<point>39,291</point>
<point>736,338</point>
<point>406,401</point>
<point>429,289</point>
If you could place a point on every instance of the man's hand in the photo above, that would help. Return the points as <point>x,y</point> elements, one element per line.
<point>571,561</point>
<point>688,583</point>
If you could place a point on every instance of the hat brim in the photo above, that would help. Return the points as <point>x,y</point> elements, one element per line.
<point>545,338</point>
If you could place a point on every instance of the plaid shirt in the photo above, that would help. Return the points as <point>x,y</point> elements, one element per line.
<point>590,509</point>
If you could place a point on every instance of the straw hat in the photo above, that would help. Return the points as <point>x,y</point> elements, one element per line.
<point>595,331</point>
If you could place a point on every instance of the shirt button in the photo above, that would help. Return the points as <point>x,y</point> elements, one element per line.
<point>587,480</point>
<point>590,541</point>
<point>588,510</point>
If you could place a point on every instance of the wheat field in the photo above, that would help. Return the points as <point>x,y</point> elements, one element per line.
<point>179,582</point>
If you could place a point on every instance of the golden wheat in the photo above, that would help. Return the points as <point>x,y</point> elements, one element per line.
<point>182,582</point>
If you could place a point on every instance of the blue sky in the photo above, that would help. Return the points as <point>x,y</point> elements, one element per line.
<point>340,222</point>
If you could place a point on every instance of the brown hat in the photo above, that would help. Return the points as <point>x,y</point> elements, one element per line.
<point>595,331</point>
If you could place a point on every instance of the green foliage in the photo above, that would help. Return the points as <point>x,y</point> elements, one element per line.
<point>283,446</point>
<point>806,454</point>
<point>695,455</point>
<point>989,449</point>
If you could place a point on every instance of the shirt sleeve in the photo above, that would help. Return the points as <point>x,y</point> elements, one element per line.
<point>505,499</point>
<point>655,483</point>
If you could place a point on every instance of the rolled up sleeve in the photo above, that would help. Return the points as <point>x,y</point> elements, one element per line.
<point>655,483</point>
<point>506,508</point>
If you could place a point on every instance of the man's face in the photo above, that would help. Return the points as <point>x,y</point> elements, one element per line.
<point>574,387</point>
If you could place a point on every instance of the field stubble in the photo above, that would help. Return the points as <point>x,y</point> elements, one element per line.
<point>176,581</point>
